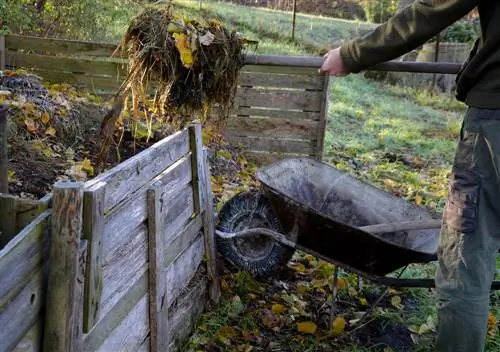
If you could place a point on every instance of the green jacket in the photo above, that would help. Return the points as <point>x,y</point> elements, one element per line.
<point>478,82</point>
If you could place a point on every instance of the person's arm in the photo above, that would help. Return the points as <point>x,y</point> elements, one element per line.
<point>404,32</point>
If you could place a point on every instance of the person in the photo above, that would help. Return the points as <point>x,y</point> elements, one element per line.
<point>469,238</point>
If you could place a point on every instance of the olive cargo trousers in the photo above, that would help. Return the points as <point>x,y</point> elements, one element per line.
<point>470,235</point>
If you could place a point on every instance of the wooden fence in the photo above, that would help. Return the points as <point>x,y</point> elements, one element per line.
<point>279,111</point>
<point>124,262</point>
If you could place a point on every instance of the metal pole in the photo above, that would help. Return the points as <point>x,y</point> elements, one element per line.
<point>294,17</point>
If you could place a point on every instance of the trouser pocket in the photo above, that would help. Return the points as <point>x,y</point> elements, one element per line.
<point>460,212</point>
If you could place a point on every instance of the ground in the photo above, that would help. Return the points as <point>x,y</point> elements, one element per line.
<point>398,138</point>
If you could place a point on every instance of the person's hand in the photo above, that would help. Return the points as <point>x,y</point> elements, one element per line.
<point>333,64</point>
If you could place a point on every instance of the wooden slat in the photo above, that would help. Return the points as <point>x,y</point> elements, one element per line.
<point>110,321</point>
<point>183,239</point>
<point>281,69</point>
<point>158,306</point>
<point>21,312</point>
<point>93,231</point>
<point>209,233</point>
<point>280,99</point>
<point>91,83</point>
<point>197,166</point>
<point>183,269</point>
<point>272,127</point>
<point>132,174</point>
<point>188,308</point>
<point>2,52</point>
<point>307,147</point>
<point>61,46</point>
<point>132,331</point>
<point>21,291</point>
<point>320,136</point>
<point>62,323</point>
<point>8,210</point>
<point>277,113</point>
<point>266,158</point>
<point>277,80</point>
<point>177,207</point>
<point>67,64</point>
<point>123,265</point>
<point>31,341</point>
<point>77,328</point>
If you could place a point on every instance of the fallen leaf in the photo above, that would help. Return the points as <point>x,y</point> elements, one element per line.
<point>183,46</point>
<point>423,329</point>
<point>224,285</point>
<point>363,301</point>
<point>45,118</point>
<point>302,288</point>
<point>338,325</point>
<point>87,167</point>
<point>341,284</point>
<point>207,38</point>
<point>396,302</point>
<point>51,131</point>
<point>307,327</point>
<point>278,308</point>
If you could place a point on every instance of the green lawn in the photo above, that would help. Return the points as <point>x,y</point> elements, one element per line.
<point>397,138</point>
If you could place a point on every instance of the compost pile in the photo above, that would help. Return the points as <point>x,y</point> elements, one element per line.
<point>190,67</point>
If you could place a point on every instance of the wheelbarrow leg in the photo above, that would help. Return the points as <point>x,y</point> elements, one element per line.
<point>333,308</point>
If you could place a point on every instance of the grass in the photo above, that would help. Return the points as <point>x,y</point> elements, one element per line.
<point>398,138</point>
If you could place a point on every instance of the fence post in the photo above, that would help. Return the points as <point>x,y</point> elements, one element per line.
<point>64,301</point>
<point>2,52</point>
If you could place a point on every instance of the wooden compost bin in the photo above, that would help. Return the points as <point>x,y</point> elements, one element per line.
<point>123,262</point>
<point>279,110</point>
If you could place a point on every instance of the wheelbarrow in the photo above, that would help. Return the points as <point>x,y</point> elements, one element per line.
<point>308,205</point>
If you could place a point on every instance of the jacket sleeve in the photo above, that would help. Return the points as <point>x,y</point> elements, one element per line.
<point>404,32</point>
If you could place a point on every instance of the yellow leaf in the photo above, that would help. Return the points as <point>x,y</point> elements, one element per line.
<point>424,328</point>
<point>11,175</point>
<point>182,44</point>
<point>341,284</point>
<point>492,321</point>
<point>299,267</point>
<point>278,308</point>
<point>45,118</point>
<point>87,167</point>
<point>363,301</point>
<point>396,302</point>
<point>224,285</point>
<point>302,289</point>
<point>51,131</point>
<point>338,325</point>
<point>307,327</point>
<point>418,200</point>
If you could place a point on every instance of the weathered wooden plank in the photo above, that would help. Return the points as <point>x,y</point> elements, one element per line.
<point>276,145</point>
<point>112,319</point>
<point>122,266</point>
<point>59,46</point>
<point>281,80</point>
<point>278,113</point>
<point>183,239</point>
<point>209,234</point>
<point>8,209</point>
<point>177,209</point>
<point>62,322</point>
<point>21,312</point>
<point>197,167</point>
<point>279,99</point>
<point>93,231</point>
<point>88,82</point>
<point>131,332</point>
<point>266,158</point>
<point>94,66</point>
<point>158,306</point>
<point>186,311</point>
<point>27,210</point>
<point>2,52</point>
<point>79,296</point>
<point>132,174</point>
<point>21,258</point>
<point>31,341</point>
<point>281,69</point>
<point>184,267</point>
<point>146,344</point>
<point>272,127</point>
<point>320,137</point>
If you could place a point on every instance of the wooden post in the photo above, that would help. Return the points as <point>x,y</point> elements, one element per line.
<point>203,204</point>
<point>2,52</point>
<point>323,118</point>
<point>294,18</point>
<point>436,58</point>
<point>93,231</point>
<point>158,300</point>
<point>4,176</point>
<point>62,321</point>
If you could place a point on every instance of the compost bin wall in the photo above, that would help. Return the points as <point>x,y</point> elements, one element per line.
<point>124,270</point>
<point>279,111</point>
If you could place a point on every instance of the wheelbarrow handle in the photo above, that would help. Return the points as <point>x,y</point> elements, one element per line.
<point>403,226</point>
<point>257,231</point>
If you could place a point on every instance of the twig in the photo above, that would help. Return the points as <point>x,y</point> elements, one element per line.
<point>4,160</point>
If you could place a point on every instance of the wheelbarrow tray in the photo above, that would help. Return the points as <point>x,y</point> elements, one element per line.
<point>322,207</point>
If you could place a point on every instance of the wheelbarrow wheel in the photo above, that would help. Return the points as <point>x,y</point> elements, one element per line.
<point>259,255</point>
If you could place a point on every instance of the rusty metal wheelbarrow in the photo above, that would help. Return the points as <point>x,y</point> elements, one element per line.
<point>308,205</point>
